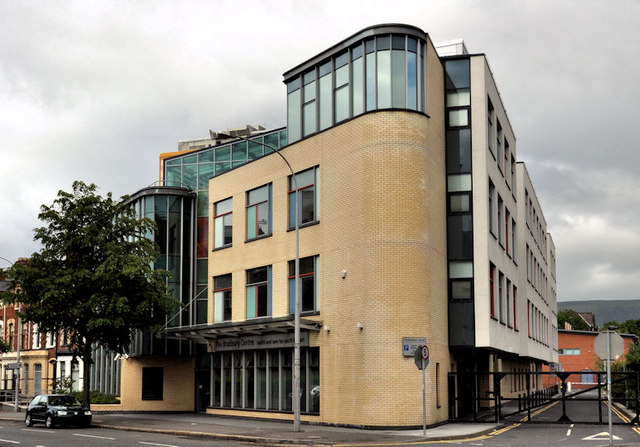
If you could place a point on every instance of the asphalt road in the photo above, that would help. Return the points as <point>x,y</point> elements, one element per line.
<point>12,434</point>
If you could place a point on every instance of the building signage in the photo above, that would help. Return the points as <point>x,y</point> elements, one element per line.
<point>270,341</point>
<point>410,344</point>
<point>13,366</point>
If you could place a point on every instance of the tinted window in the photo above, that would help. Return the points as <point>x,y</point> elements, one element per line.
<point>457,73</point>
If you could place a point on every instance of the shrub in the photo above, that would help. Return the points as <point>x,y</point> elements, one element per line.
<point>98,398</point>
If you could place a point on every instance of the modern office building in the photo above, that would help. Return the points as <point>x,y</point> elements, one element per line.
<point>417,221</point>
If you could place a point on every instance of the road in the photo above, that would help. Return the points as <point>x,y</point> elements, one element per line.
<point>13,434</point>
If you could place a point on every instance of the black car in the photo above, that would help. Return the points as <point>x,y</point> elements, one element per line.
<point>55,409</point>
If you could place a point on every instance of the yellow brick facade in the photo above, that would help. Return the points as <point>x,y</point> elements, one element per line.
<point>178,384</point>
<point>382,220</point>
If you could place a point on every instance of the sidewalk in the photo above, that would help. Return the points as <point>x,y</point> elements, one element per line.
<point>266,432</point>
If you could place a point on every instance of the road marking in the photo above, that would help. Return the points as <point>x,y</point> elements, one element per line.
<point>503,430</point>
<point>9,441</point>
<point>535,413</point>
<point>601,437</point>
<point>97,437</point>
<point>569,432</point>
<point>160,445</point>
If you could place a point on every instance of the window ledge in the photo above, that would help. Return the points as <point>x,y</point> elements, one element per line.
<point>258,238</point>
<point>305,225</point>
<point>222,248</point>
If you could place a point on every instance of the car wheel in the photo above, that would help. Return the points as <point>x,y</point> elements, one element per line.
<point>48,422</point>
<point>27,420</point>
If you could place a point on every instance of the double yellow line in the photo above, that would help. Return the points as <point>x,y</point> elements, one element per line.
<point>537,412</point>
<point>624,417</point>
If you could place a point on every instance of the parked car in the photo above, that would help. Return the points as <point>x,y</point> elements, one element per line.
<point>53,409</point>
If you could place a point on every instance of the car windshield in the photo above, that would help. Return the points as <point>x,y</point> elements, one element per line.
<point>63,401</point>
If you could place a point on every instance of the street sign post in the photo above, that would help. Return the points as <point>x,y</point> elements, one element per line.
<point>13,366</point>
<point>421,358</point>
<point>609,345</point>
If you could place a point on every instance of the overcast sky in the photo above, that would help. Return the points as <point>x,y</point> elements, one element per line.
<point>95,90</point>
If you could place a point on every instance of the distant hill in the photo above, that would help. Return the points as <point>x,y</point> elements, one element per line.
<point>606,310</point>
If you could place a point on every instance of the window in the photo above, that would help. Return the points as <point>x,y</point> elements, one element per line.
<point>342,87</point>
<point>308,283</point>
<point>460,280</point>
<point>222,298</point>
<point>513,174</point>
<point>11,329</point>
<point>492,192</point>
<point>35,339</point>
<point>515,310</point>
<point>223,223</point>
<point>499,156</point>
<point>458,151</point>
<point>513,240</point>
<point>357,64</point>
<point>507,222</point>
<point>326,107</point>
<point>309,106</point>
<point>492,289</point>
<point>508,304</point>
<point>259,212</point>
<point>293,110</point>
<point>500,227</point>
<point>574,351</point>
<point>258,293</point>
<point>490,138</point>
<point>51,341</point>
<point>501,297</point>
<point>152,383</point>
<point>263,379</point>
<point>306,182</point>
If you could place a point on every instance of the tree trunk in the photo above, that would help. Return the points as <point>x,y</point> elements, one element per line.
<point>86,375</point>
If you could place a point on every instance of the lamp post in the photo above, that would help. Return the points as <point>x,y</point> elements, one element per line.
<point>17,381</point>
<point>297,303</point>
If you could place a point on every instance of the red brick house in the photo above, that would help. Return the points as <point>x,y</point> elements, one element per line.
<point>576,353</point>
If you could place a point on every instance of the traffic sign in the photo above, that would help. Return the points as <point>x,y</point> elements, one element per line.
<point>410,344</point>
<point>424,351</point>
<point>13,366</point>
<point>421,357</point>
<point>600,345</point>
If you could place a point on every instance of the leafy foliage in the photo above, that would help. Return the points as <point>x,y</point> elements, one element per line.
<point>571,317</point>
<point>4,346</point>
<point>94,275</point>
<point>628,327</point>
<point>62,385</point>
<point>96,397</point>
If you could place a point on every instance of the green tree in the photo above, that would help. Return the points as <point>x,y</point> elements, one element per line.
<point>572,317</point>
<point>4,346</point>
<point>633,356</point>
<point>93,276</point>
<point>605,326</point>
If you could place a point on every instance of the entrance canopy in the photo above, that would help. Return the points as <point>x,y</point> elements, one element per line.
<point>259,327</point>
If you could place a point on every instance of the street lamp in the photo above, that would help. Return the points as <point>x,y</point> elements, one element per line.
<point>17,390</point>
<point>297,303</point>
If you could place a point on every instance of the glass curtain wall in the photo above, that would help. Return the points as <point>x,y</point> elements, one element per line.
<point>193,170</point>
<point>263,379</point>
<point>459,202</point>
<point>381,72</point>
